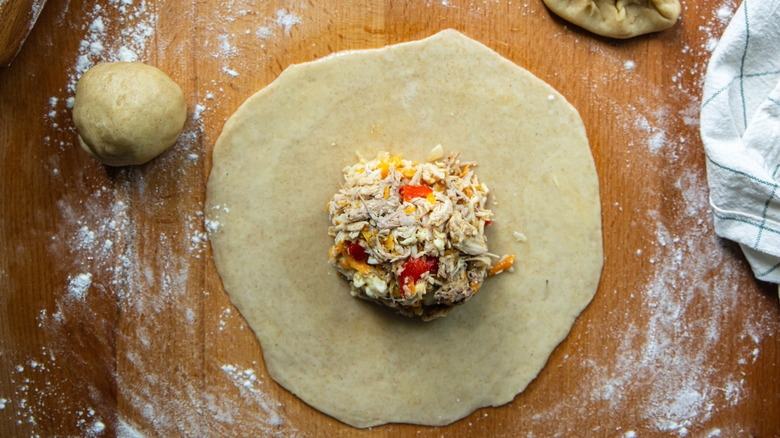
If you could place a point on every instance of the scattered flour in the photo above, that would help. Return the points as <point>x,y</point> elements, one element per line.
<point>32,381</point>
<point>97,428</point>
<point>656,141</point>
<point>227,44</point>
<point>725,12</point>
<point>229,72</point>
<point>246,380</point>
<point>126,55</point>
<point>264,32</point>
<point>213,226</point>
<point>720,19</point>
<point>78,286</point>
<point>653,134</point>
<point>101,43</point>
<point>223,318</point>
<point>286,20</point>
<point>196,113</point>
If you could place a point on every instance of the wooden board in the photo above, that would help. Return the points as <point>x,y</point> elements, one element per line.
<point>114,320</point>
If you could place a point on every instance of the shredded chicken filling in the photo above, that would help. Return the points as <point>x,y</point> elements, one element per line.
<point>410,235</point>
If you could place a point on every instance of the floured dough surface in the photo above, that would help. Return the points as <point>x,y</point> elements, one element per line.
<point>618,18</point>
<point>278,161</point>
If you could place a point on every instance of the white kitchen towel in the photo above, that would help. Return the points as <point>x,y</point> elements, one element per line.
<point>740,128</point>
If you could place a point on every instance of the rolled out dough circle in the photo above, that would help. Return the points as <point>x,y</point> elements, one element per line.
<point>279,160</point>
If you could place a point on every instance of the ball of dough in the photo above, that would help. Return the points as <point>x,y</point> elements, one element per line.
<point>618,18</point>
<point>127,112</point>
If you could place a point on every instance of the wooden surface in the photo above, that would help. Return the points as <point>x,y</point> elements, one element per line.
<point>114,320</point>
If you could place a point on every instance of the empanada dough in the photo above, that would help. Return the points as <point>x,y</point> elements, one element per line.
<point>127,112</point>
<point>279,160</point>
<point>618,18</point>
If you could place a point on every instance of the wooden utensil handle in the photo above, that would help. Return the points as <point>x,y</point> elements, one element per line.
<point>17,18</point>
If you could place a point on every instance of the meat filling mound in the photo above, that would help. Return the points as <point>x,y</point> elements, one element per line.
<point>410,235</point>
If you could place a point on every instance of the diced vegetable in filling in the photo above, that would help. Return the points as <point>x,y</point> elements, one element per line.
<point>410,235</point>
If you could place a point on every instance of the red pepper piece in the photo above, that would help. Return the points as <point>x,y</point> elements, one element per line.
<point>410,192</point>
<point>414,269</point>
<point>357,252</point>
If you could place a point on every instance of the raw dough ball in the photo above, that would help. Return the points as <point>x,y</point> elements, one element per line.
<point>127,112</point>
<point>618,18</point>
